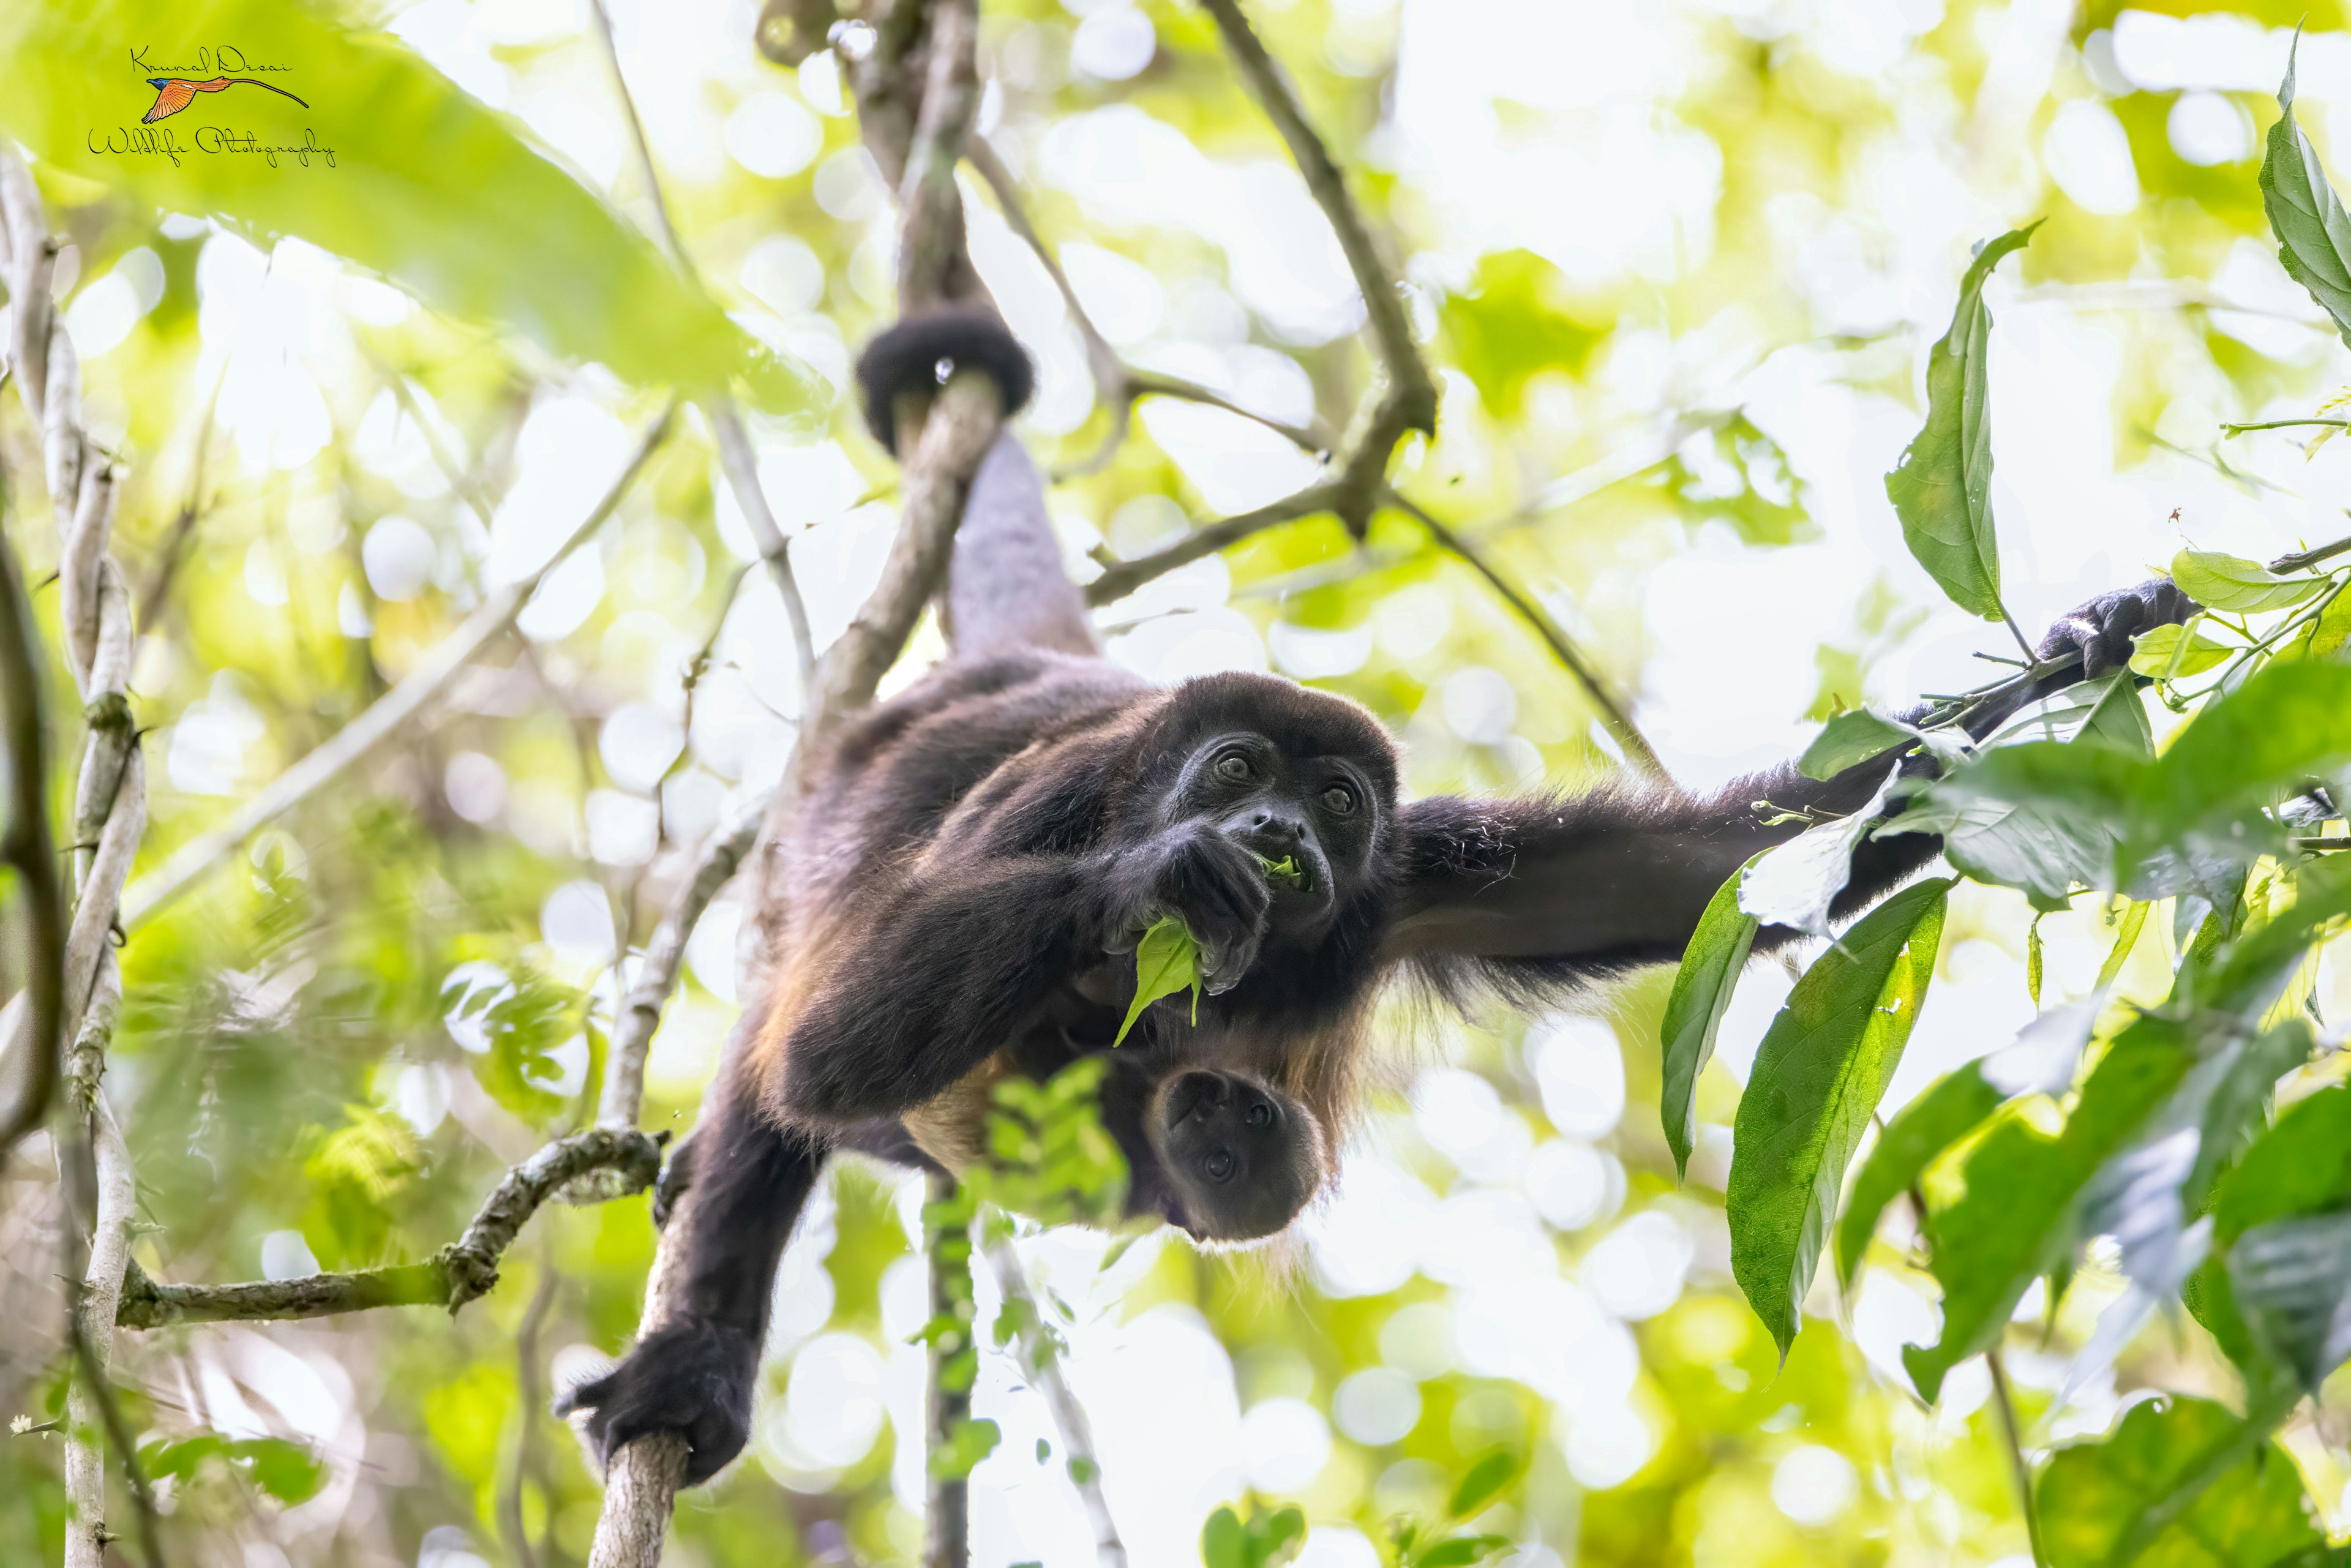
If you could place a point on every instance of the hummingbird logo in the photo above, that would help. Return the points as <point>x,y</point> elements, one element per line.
<point>174,94</point>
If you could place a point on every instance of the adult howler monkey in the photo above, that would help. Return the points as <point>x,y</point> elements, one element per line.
<point>975,858</point>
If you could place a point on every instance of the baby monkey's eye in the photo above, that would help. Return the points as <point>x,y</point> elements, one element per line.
<point>1338,800</point>
<point>1260,1115</point>
<point>1234,767</point>
<point>1219,1166</point>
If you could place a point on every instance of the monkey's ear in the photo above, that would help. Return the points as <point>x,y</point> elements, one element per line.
<point>910,357</point>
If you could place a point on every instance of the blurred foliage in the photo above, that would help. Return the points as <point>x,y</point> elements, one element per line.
<point>1709,246</point>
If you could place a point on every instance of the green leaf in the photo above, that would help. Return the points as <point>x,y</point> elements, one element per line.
<point>1286,869</point>
<point>1481,1482</point>
<point>971,1442</point>
<point>1166,960</point>
<point>2168,653</point>
<point>1461,1551</point>
<point>2015,1219</point>
<point>1932,1123</point>
<point>1821,1068</point>
<point>2126,932</point>
<point>2221,581</point>
<point>2313,233</point>
<point>2291,1280</point>
<point>1702,987</point>
<point>1794,883</point>
<point>1849,739</point>
<point>2035,961</point>
<point>1942,488</point>
<point>287,1471</point>
<point>2227,1499</point>
<point>2301,1167</point>
<point>443,197</point>
<point>1222,1543</point>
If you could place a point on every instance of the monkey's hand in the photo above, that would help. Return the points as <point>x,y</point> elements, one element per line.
<point>2102,630</point>
<point>1204,879</point>
<point>692,1377</point>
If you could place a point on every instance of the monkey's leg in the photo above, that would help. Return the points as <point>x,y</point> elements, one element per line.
<point>1007,589</point>
<point>694,1374</point>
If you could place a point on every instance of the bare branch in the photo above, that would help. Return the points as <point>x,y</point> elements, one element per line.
<point>1628,736</point>
<point>1043,1359</point>
<point>1118,385</point>
<point>89,1402</point>
<point>640,1014</point>
<point>735,455</point>
<point>1408,400</point>
<point>933,261</point>
<point>1125,576</point>
<point>118,1437</point>
<point>386,717</point>
<point>458,1273</point>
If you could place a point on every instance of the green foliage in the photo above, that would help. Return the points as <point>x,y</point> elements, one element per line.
<point>1049,1156</point>
<point>1516,320</point>
<point>1702,990</point>
<point>1168,960</point>
<point>2313,231</point>
<point>2212,1490</point>
<point>1818,1076</point>
<point>1266,1539</point>
<point>2221,581</point>
<point>1851,739</point>
<point>411,177</point>
<point>1936,1119</point>
<point>285,1472</point>
<point>1941,489</point>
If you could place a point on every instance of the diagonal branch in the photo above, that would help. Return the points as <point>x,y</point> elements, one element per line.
<point>386,717</point>
<point>1628,736</point>
<point>735,453</point>
<point>1118,385</point>
<point>1122,578</point>
<point>458,1273</point>
<point>1407,399</point>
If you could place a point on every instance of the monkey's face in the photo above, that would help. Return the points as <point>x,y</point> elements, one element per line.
<point>1243,1159</point>
<point>1311,816</point>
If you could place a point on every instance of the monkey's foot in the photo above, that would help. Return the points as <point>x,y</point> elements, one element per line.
<point>691,1377</point>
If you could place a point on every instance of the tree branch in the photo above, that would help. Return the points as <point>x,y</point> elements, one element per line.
<point>1628,736</point>
<point>461,1272</point>
<point>386,717</point>
<point>1122,578</point>
<point>1118,385</point>
<point>734,454</point>
<point>1043,1359</point>
<point>1408,400</point>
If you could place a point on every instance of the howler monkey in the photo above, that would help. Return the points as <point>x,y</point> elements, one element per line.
<point>971,868</point>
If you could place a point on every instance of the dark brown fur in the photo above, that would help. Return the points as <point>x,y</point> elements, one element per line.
<point>976,856</point>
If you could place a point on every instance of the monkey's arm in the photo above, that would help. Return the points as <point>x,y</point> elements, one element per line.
<point>943,973</point>
<point>1538,889</point>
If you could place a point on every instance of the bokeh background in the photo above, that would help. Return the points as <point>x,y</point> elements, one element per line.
<point>1677,265</point>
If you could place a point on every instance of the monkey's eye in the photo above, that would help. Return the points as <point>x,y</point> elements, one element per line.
<point>1339,801</point>
<point>1233,767</point>
<point>1219,1166</point>
<point>1260,1115</point>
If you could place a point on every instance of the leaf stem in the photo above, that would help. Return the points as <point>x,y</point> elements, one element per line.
<point>2304,559</point>
<point>2285,425</point>
<point>2006,1404</point>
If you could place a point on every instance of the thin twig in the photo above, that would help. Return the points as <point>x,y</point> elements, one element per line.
<point>118,1437</point>
<point>528,1402</point>
<point>2010,1435</point>
<point>2302,561</point>
<point>1628,736</point>
<point>948,1254</point>
<point>1123,578</point>
<point>1042,1358</point>
<point>184,527</point>
<point>735,453</point>
<point>383,718</point>
<point>1118,385</point>
<point>461,1272</point>
<point>1407,401</point>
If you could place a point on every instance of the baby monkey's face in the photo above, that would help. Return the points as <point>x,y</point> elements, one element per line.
<point>1242,1159</point>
